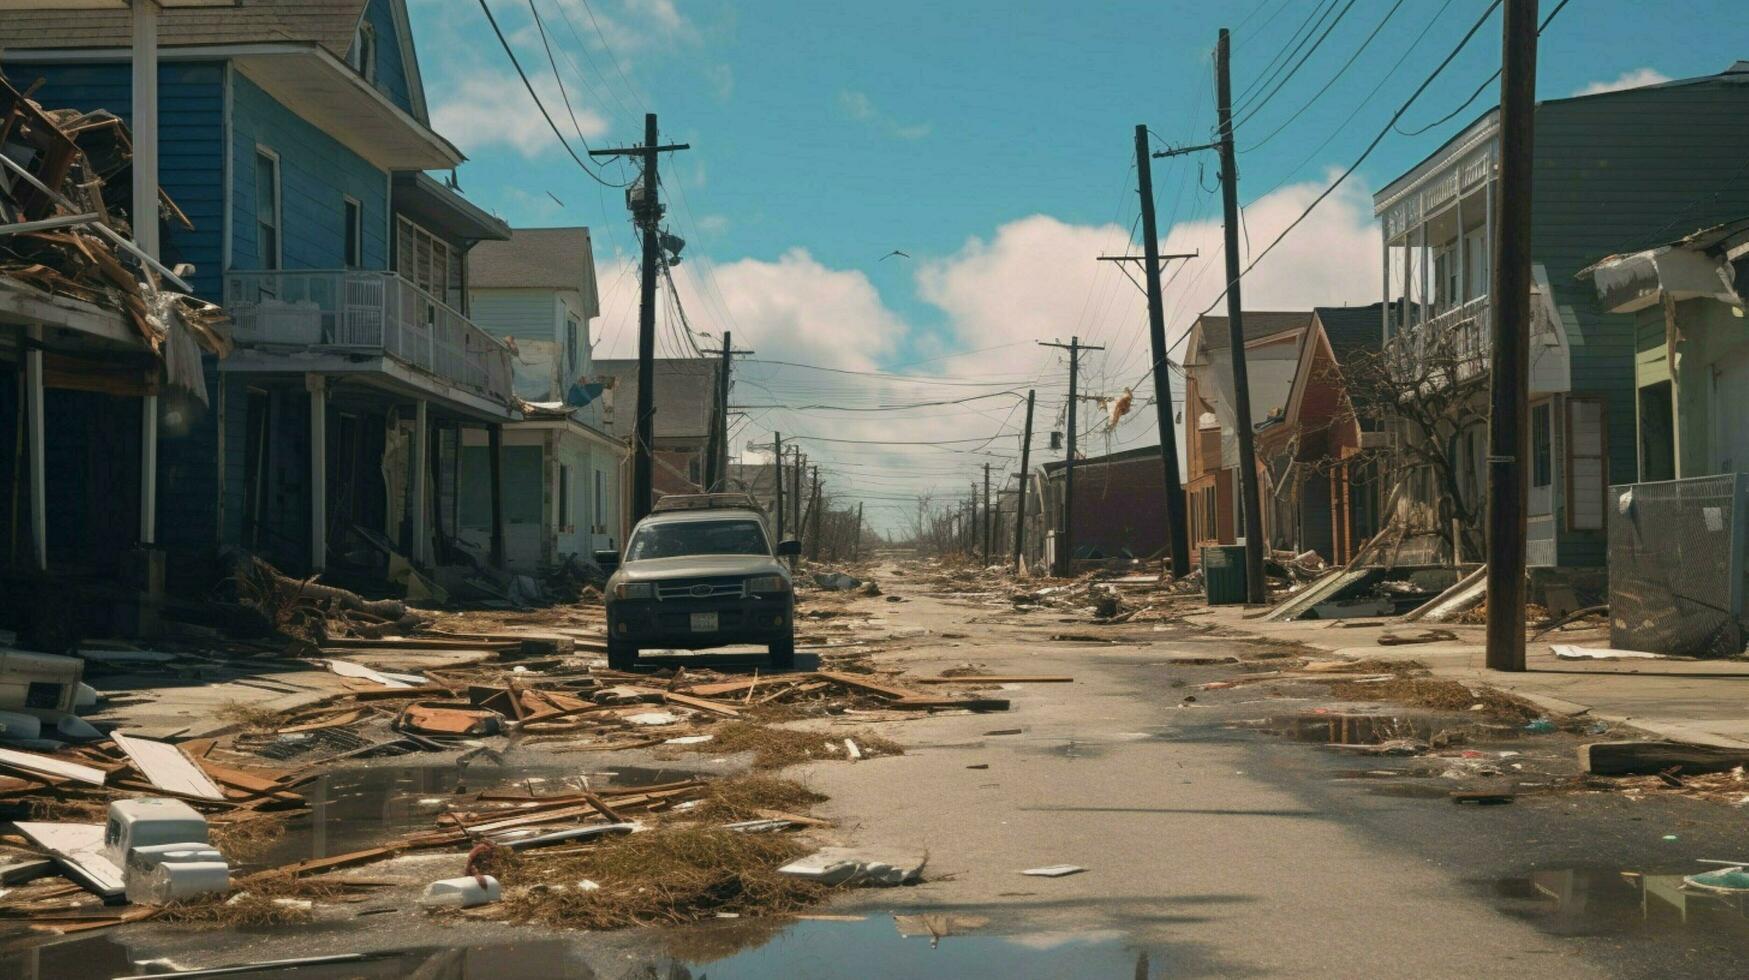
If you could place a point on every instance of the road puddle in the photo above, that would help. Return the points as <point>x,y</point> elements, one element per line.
<point>353,809</point>
<point>876,947</point>
<point>1587,902</point>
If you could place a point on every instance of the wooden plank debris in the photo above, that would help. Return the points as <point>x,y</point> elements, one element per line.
<point>996,679</point>
<point>1651,758</point>
<point>79,848</point>
<point>43,765</point>
<point>167,768</point>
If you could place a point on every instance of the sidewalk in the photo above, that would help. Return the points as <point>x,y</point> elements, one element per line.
<point>1700,701</point>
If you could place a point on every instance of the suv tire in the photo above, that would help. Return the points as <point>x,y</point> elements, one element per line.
<point>783,653</point>
<point>621,656</point>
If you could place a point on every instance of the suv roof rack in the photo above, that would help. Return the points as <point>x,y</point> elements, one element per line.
<point>704,501</point>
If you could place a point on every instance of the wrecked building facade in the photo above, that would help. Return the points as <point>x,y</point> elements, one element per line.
<point>297,143</point>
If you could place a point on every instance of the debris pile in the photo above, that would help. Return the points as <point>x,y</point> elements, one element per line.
<point>66,193</point>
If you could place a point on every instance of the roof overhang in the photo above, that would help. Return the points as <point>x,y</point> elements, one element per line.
<point>440,208</point>
<point>22,305</point>
<point>311,82</point>
<point>1636,280</point>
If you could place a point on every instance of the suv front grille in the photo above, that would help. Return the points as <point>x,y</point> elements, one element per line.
<point>701,588</point>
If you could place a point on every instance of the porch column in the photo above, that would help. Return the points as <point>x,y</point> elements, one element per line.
<point>318,389</point>
<point>495,453</point>
<point>420,469</point>
<point>149,470</point>
<point>33,409</point>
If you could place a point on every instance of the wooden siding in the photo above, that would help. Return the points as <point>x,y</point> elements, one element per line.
<point>1618,172</point>
<point>316,174</point>
<point>526,314</point>
<point>391,67</point>
<point>191,119</point>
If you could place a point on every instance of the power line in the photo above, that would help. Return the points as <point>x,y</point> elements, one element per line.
<point>1253,110</point>
<point>1449,58</point>
<point>1491,79</point>
<point>537,102</point>
<point>1333,78</point>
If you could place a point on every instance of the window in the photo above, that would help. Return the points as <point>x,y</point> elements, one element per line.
<point>1542,444</point>
<point>428,262</point>
<point>683,538</point>
<point>564,496</point>
<point>364,52</point>
<point>354,230</point>
<point>1587,472</point>
<point>600,515</point>
<point>267,209</point>
<point>571,359</point>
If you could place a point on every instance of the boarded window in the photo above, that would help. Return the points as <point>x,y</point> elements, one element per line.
<point>428,262</point>
<point>1587,474</point>
<point>1542,441</point>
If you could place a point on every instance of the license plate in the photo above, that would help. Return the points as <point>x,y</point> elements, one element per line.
<point>704,622</point>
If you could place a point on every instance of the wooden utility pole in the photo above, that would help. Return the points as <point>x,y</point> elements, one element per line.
<point>646,206</point>
<point>856,538</point>
<point>777,480</point>
<point>1066,531</point>
<point>1177,519</point>
<point>814,515</point>
<point>1020,501</point>
<point>1251,502</point>
<point>989,515</point>
<point>796,497</point>
<point>1508,420</point>
<point>716,463</point>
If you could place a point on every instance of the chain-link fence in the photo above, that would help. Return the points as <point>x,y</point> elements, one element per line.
<point>1677,566</point>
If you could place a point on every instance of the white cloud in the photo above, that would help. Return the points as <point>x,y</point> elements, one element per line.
<point>859,107</point>
<point>486,109</point>
<point>1629,79</point>
<point>1032,279</point>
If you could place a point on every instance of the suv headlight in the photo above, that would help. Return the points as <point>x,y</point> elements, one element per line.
<point>634,590</point>
<point>767,585</point>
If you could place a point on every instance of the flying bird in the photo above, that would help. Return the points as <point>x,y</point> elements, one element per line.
<point>902,255</point>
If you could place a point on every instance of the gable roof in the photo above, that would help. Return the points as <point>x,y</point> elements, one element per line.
<point>1258,324</point>
<point>330,24</point>
<point>1352,329</point>
<point>683,396</point>
<point>535,258</point>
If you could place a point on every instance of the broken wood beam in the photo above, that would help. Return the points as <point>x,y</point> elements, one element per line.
<point>1652,758</point>
<point>996,679</point>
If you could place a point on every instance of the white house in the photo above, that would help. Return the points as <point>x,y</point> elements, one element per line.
<point>561,470</point>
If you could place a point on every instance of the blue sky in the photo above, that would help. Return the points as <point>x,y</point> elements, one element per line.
<point>991,140</point>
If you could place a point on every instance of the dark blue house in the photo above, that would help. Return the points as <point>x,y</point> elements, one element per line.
<point>294,135</point>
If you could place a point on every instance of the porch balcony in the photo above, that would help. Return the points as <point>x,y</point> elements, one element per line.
<point>371,313</point>
<point>1456,341</point>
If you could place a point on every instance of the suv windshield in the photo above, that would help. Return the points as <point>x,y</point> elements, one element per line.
<point>682,538</point>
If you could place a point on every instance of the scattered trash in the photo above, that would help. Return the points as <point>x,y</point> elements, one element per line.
<point>1054,871</point>
<point>1569,652</point>
<point>844,866</point>
<point>1540,726</point>
<point>462,892</point>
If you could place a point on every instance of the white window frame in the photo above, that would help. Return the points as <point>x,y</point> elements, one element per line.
<point>437,260</point>
<point>278,209</point>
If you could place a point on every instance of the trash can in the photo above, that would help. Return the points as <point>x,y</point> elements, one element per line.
<point>1223,574</point>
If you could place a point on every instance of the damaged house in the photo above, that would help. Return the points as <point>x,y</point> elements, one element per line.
<point>560,469</point>
<point>296,137</point>
<point>1678,560</point>
<point>1613,171</point>
<point>98,343</point>
<point>1273,341</point>
<point>685,403</point>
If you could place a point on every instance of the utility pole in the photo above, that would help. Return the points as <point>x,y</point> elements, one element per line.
<point>814,523</point>
<point>856,538</point>
<point>1253,506</point>
<point>646,207</point>
<point>777,480</point>
<point>1177,518</point>
<point>716,463</point>
<point>796,497</point>
<point>1508,422</point>
<point>989,511</point>
<point>1020,502</point>
<point>1066,532</point>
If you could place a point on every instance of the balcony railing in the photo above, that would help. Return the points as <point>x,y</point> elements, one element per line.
<point>367,312</point>
<point>1456,341</point>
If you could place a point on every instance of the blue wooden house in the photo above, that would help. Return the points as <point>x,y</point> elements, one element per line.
<point>295,136</point>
